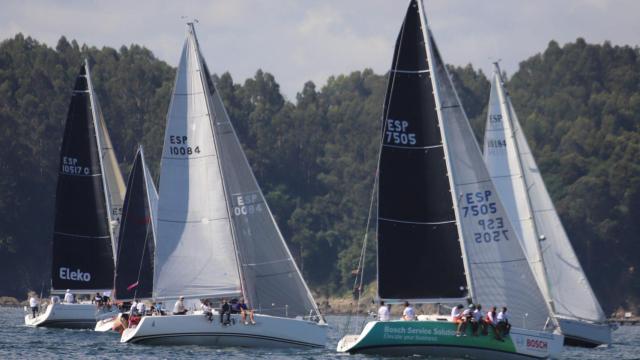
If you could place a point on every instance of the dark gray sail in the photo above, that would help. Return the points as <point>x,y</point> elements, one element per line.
<point>136,241</point>
<point>419,253</point>
<point>271,280</point>
<point>82,247</point>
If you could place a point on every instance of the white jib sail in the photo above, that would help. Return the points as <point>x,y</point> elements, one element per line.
<point>114,187</point>
<point>152,194</point>
<point>195,253</point>
<point>497,267</point>
<point>503,162</point>
<point>570,289</point>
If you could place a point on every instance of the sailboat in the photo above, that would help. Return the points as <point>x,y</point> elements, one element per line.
<point>443,234</point>
<point>572,304</point>
<point>216,237</point>
<point>88,201</point>
<point>133,279</point>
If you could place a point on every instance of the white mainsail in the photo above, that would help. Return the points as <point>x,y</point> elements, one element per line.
<point>497,268</point>
<point>195,252</point>
<point>567,286</point>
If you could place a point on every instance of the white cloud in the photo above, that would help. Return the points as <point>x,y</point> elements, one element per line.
<point>300,40</point>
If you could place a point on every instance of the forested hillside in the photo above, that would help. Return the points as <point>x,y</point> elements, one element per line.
<point>315,157</point>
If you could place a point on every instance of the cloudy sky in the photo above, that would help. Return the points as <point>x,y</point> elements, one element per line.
<point>300,40</point>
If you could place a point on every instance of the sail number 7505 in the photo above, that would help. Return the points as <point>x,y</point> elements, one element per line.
<point>480,208</point>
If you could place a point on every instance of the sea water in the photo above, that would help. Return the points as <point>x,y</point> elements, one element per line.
<point>21,342</point>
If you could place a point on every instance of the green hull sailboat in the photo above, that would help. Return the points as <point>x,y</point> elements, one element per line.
<point>443,235</point>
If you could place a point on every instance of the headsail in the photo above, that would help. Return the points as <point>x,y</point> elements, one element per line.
<point>505,168</point>
<point>83,258</point>
<point>568,286</point>
<point>419,253</point>
<point>195,250</point>
<point>497,267</point>
<point>136,241</point>
<point>112,175</point>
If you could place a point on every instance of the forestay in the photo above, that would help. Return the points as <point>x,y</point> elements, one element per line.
<point>82,242</point>
<point>419,253</point>
<point>136,241</point>
<point>272,282</point>
<point>570,290</point>
<point>195,253</point>
<point>497,266</point>
<point>503,163</point>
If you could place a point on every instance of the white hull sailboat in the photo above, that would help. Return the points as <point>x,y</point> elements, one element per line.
<point>88,202</point>
<point>269,331</point>
<point>572,305</point>
<point>443,234</point>
<point>216,237</point>
<point>69,316</point>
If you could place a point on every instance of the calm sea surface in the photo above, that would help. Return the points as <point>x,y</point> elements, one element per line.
<point>20,342</point>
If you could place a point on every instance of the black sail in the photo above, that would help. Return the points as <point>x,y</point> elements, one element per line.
<point>82,252</point>
<point>419,254</point>
<point>136,243</point>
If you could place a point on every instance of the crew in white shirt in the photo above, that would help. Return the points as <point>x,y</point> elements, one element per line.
<point>408,314</point>
<point>478,321</point>
<point>456,312</point>
<point>69,298</point>
<point>383,312</point>
<point>503,322</point>
<point>178,308</point>
<point>33,303</point>
<point>141,308</point>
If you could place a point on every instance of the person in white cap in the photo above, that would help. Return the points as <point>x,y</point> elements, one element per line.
<point>69,298</point>
<point>178,308</point>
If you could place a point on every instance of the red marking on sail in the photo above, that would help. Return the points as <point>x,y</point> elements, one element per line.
<point>135,284</point>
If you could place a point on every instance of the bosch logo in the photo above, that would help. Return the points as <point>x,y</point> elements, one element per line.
<point>536,344</point>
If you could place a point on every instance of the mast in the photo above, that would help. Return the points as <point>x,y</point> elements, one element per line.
<point>504,102</point>
<point>98,141</point>
<point>436,94</point>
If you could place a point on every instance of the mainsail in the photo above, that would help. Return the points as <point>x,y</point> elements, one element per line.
<point>521,188</point>
<point>497,271</point>
<point>136,241</point>
<point>195,249</point>
<point>419,254</point>
<point>83,258</point>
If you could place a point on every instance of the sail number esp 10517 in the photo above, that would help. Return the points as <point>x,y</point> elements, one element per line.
<point>179,146</point>
<point>481,207</point>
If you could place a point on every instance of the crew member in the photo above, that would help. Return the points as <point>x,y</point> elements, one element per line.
<point>383,312</point>
<point>178,308</point>
<point>408,314</point>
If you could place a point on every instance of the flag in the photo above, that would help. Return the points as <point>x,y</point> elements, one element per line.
<point>135,284</point>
